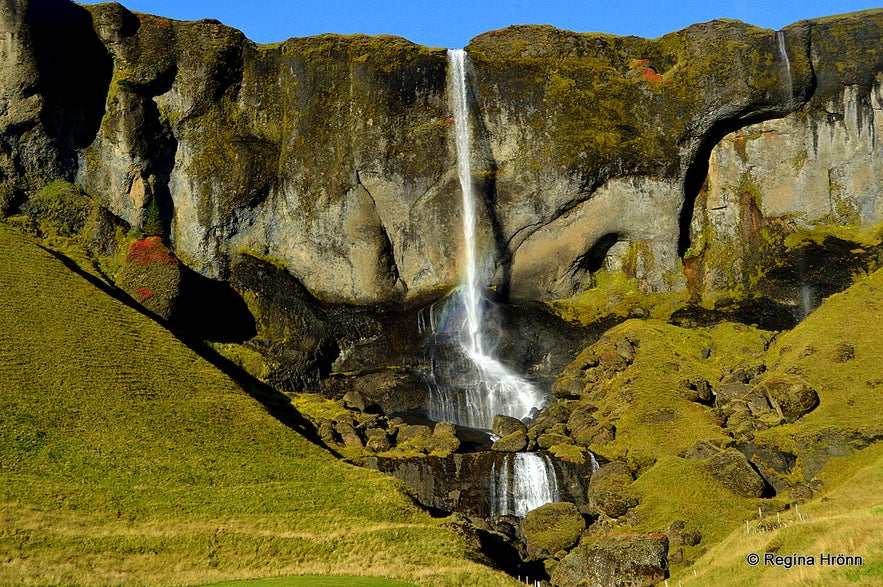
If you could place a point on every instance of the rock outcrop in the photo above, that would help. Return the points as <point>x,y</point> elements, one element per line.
<point>333,155</point>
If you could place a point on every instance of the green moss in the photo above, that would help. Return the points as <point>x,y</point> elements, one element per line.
<point>678,489</point>
<point>835,349</point>
<point>622,105</point>
<point>60,206</point>
<point>649,401</point>
<point>124,449</point>
<point>616,294</point>
<point>861,235</point>
<point>569,452</point>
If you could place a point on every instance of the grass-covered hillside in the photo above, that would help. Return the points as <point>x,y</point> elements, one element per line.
<point>126,458</point>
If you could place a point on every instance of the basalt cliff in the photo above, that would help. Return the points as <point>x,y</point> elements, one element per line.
<point>302,201</point>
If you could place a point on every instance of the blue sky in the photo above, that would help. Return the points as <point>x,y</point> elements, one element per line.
<point>451,23</point>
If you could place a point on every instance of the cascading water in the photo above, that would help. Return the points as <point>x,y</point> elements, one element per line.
<point>786,63</point>
<point>469,385</point>
<point>523,482</point>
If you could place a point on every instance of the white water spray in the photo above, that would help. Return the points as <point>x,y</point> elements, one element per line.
<point>524,482</point>
<point>470,385</point>
<point>786,63</point>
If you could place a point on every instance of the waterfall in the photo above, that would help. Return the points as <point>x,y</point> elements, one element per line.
<point>524,482</point>
<point>469,386</point>
<point>786,63</point>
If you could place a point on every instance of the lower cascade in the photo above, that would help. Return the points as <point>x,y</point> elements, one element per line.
<point>522,482</point>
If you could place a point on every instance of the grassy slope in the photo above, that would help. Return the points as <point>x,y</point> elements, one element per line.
<point>127,459</point>
<point>846,520</point>
<point>837,350</point>
<point>673,488</point>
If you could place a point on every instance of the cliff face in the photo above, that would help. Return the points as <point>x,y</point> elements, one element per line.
<point>683,162</point>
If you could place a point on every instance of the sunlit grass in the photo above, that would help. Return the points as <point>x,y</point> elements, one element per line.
<point>126,458</point>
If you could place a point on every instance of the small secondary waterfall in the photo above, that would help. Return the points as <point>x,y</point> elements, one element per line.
<point>523,482</point>
<point>786,63</point>
<point>469,385</point>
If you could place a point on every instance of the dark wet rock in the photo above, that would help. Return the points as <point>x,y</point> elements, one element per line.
<point>462,481</point>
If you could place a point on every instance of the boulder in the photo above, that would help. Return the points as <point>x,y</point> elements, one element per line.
<point>505,425</point>
<point>551,528</point>
<point>444,439</point>
<point>549,439</point>
<point>733,471</point>
<point>514,442</point>
<point>151,274</point>
<point>413,437</point>
<point>610,491</point>
<point>377,440</point>
<point>348,434</point>
<point>354,400</point>
<point>557,413</point>
<point>582,425</point>
<point>615,561</point>
<point>791,395</point>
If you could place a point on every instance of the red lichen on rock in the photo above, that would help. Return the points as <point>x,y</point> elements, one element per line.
<point>150,250</point>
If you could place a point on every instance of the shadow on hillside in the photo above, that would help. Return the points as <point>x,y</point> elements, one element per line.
<point>276,403</point>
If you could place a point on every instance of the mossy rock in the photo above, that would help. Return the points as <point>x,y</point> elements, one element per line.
<point>791,394</point>
<point>548,439</point>
<point>582,424</point>
<point>557,413</point>
<point>569,452</point>
<point>513,442</point>
<point>152,276</point>
<point>414,437</point>
<point>444,439</point>
<point>505,425</point>
<point>610,491</point>
<point>61,205</point>
<point>616,561</point>
<point>733,471</point>
<point>551,528</point>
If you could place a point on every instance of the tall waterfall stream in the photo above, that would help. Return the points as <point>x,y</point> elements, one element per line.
<point>470,385</point>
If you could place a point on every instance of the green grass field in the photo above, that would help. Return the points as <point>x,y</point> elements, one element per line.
<point>126,458</point>
<point>315,582</point>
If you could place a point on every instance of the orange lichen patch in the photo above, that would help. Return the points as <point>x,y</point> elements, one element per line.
<point>651,76</point>
<point>640,64</point>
